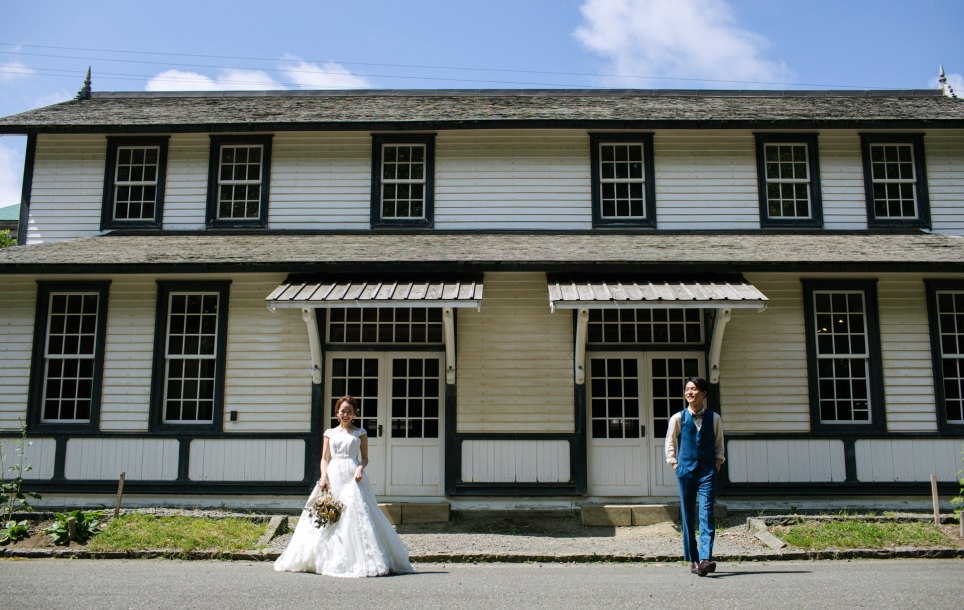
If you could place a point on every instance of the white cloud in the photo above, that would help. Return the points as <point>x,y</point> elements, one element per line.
<point>329,75</point>
<point>11,169</point>
<point>54,98</point>
<point>228,80</point>
<point>15,70</point>
<point>297,74</point>
<point>698,39</point>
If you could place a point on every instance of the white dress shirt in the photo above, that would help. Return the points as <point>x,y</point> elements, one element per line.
<point>676,426</point>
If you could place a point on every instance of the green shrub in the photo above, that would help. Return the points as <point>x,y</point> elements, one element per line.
<point>87,526</point>
<point>5,240</point>
<point>13,531</point>
<point>12,498</point>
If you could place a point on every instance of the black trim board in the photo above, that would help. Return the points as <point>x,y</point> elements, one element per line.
<point>26,189</point>
<point>481,267</point>
<point>649,177</point>
<point>813,167</point>
<point>107,203</point>
<point>159,369</point>
<point>932,287</point>
<point>878,412</point>
<point>923,220</point>
<point>214,163</point>
<point>35,392</point>
<point>404,126</point>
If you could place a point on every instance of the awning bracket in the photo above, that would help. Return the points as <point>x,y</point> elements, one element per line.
<point>314,344</point>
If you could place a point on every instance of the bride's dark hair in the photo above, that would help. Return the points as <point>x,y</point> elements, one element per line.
<point>351,403</point>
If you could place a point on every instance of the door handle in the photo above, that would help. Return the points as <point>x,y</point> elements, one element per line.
<point>642,432</point>
<point>379,431</point>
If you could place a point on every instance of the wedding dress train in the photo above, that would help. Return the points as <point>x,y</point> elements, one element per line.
<point>362,542</point>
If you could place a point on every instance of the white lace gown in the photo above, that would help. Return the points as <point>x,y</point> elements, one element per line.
<point>362,542</point>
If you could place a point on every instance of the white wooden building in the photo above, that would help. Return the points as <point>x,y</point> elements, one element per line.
<point>513,283</point>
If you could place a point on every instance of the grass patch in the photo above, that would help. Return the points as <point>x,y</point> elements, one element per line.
<point>815,535</point>
<point>137,532</point>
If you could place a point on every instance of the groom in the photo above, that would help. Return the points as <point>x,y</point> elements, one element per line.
<point>694,448</point>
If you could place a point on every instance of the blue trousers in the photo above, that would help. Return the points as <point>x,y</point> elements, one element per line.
<point>698,484</point>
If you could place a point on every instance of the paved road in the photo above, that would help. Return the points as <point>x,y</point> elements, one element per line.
<point>102,584</point>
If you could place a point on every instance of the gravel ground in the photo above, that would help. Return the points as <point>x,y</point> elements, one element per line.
<point>555,536</point>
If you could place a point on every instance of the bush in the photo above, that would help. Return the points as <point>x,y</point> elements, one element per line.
<point>87,526</point>
<point>12,498</point>
<point>6,240</point>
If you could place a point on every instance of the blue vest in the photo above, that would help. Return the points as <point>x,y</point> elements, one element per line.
<point>696,445</point>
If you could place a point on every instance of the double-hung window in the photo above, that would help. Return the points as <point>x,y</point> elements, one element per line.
<point>238,181</point>
<point>68,362</point>
<point>895,182</point>
<point>945,305</point>
<point>788,177</point>
<point>844,361</point>
<point>403,168</point>
<point>623,187</point>
<point>134,183</point>
<point>189,354</point>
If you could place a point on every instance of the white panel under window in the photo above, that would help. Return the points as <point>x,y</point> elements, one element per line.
<point>39,455</point>
<point>908,460</point>
<point>510,461</point>
<point>105,458</point>
<point>247,460</point>
<point>786,461</point>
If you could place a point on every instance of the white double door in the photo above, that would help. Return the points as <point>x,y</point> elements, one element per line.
<point>630,397</point>
<point>401,399</point>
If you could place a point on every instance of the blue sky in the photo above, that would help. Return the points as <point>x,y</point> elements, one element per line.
<point>45,47</point>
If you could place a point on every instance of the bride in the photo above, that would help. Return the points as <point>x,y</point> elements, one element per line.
<point>362,542</point>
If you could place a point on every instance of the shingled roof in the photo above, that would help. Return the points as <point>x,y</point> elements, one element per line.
<point>479,252</point>
<point>120,112</point>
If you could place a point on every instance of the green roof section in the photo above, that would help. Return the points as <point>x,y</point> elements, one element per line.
<point>10,213</point>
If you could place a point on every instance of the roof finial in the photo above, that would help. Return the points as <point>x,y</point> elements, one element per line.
<point>84,93</point>
<point>944,85</point>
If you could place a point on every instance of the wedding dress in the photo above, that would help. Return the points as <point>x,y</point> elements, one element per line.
<point>362,542</point>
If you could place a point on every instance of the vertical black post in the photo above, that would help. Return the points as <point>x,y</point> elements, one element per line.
<point>453,444</point>
<point>25,190</point>
<point>183,459</point>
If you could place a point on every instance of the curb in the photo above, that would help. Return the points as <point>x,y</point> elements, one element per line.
<point>271,555</point>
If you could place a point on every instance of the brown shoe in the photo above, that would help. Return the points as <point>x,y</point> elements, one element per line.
<point>706,567</point>
<point>694,568</point>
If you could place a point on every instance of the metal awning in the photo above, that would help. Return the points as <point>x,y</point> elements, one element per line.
<point>317,293</point>
<point>580,293</point>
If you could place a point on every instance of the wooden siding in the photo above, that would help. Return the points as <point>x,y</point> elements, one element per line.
<point>512,180</point>
<point>706,180</point>
<point>763,364</point>
<point>68,187</point>
<point>247,460</point>
<point>320,181</point>
<point>618,469</point>
<point>944,153</point>
<point>105,458</point>
<point>39,455</point>
<point>515,362</point>
<point>786,461</point>
<point>268,374</point>
<point>18,302</point>
<point>906,346</point>
<point>664,477</point>
<point>842,180</point>
<point>900,460</point>
<point>186,187</point>
<point>129,354</point>
<point>415,465</point>
<point>508,461</point>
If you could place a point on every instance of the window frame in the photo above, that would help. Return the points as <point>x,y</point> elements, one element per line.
<point>159,373</point>
<point>932,288</point>
<point>38,360</point>
<point>214,165</point>
<point>923,219</point>
<point>649,179</point>
<point>813,167</point>
<point>107,220</point>
<point>878,411</point>
<point>378,143</point>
